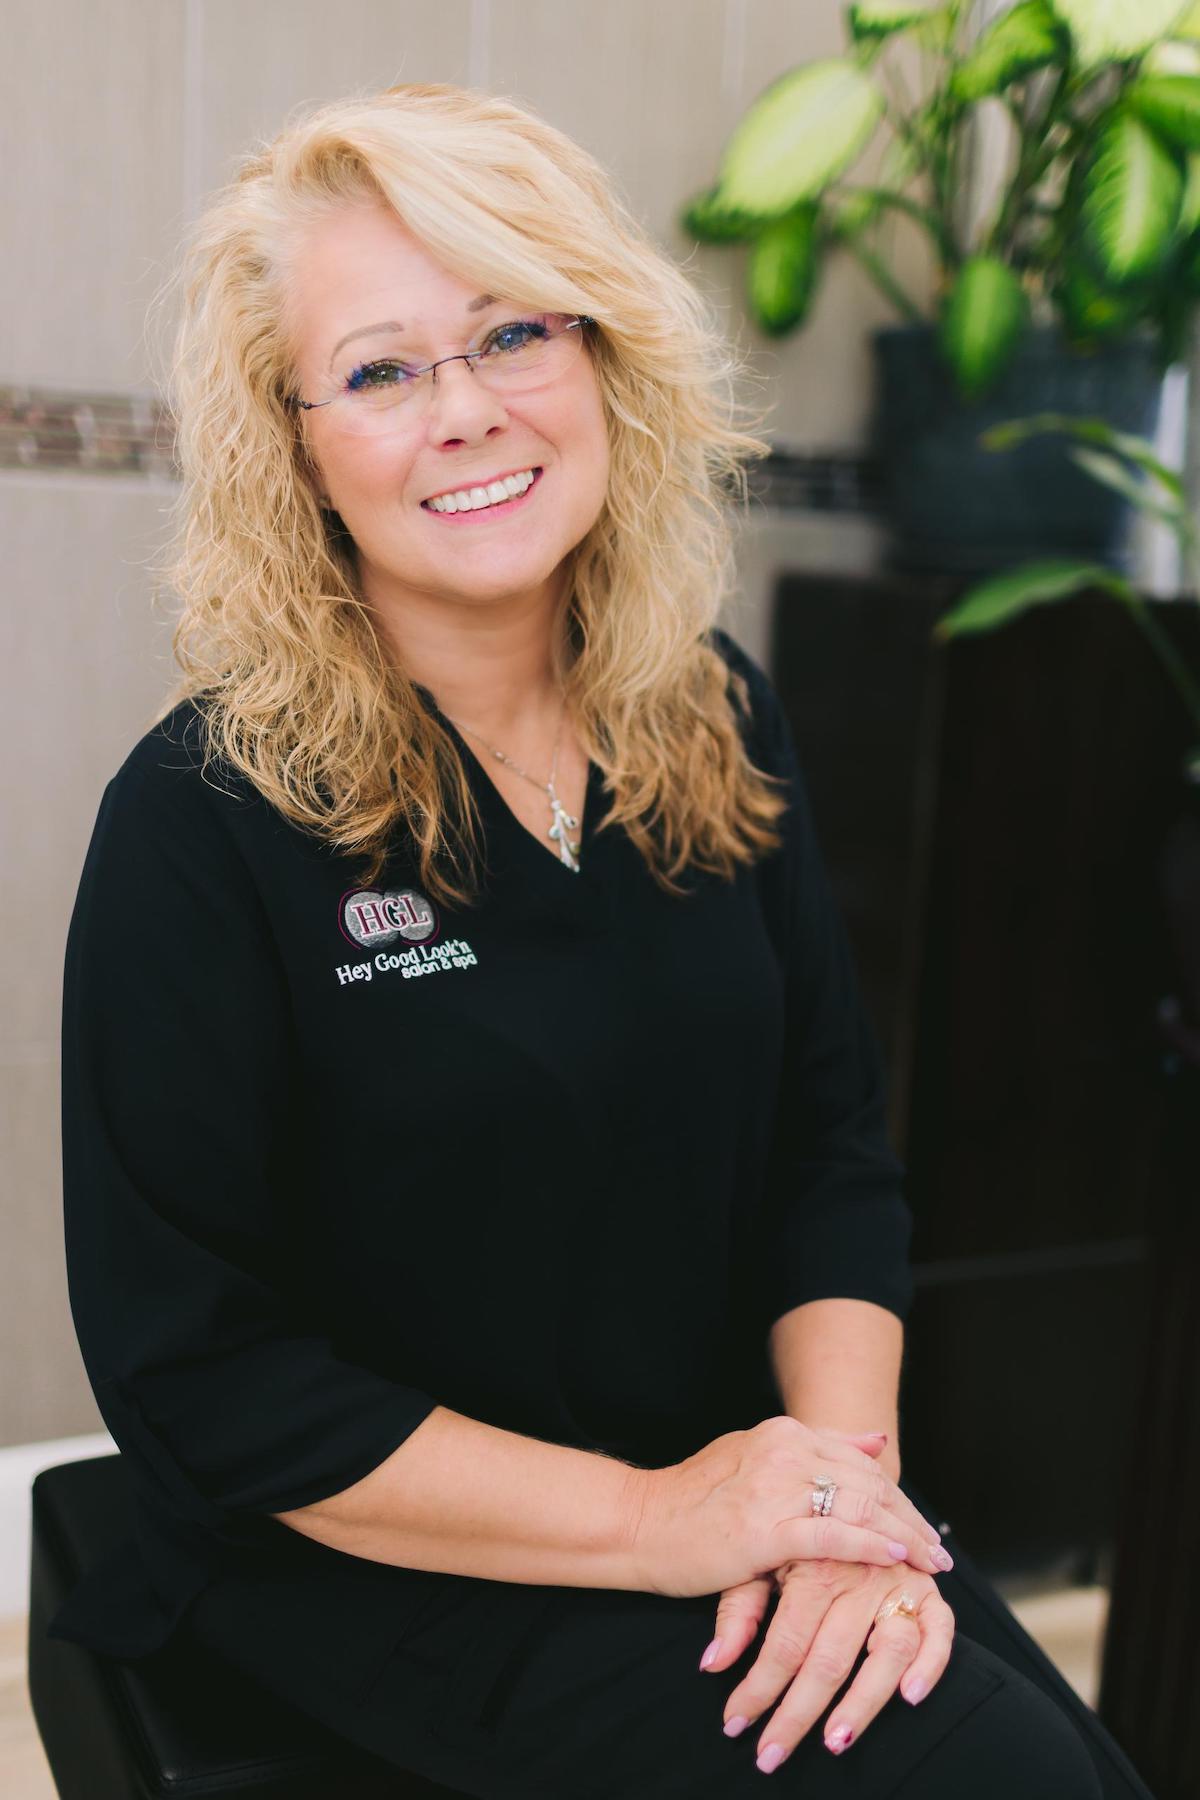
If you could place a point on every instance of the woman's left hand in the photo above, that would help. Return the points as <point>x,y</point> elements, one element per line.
<point>825,1613</point>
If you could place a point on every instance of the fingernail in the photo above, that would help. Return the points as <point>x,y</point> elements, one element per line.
<point>735,1727</point>
<point>899,1551</point>
<point>878,1434</point>
<point>771,1758</point>
<point>916,1690</point>
<point>838,1739</point>
<point>710,1655</point>
<point>940,1558</point>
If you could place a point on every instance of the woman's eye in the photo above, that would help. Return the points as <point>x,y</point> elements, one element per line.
<point>377,375</point>
<point>516,335</point>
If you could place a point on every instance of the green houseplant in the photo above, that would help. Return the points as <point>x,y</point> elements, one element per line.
<point>1084,271</point>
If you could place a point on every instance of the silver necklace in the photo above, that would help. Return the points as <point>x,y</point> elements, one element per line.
<point>562,821</point>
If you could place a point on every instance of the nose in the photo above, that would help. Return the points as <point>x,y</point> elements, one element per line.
<point>459,406</point>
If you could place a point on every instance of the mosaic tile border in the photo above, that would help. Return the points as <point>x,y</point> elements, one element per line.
<point>67,430</point>
<point>132,434</point>
<point>833,481</point>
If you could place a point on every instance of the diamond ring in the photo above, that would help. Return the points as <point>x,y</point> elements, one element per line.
<point>824,1488</point>
<point>903,1603</point>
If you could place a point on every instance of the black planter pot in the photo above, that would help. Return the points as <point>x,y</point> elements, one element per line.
<point>954,507</point>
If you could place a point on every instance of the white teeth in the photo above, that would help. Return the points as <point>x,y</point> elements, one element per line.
<point>476,498</point>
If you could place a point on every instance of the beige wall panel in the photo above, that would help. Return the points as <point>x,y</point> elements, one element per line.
<point>86,662</point>
<point>90,144</point>
<point>45,1393</point>
<point>255,64</point>
<point>638,85</point>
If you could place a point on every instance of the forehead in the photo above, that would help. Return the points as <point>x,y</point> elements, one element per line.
<point>360,264</point>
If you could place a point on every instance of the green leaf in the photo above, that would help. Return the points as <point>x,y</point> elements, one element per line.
<point>1089,309</point>
<point>798,136</point>
<point>1005,596</point>
<point>1169,103</point>
<point>1188,267</point>
<point>1113,473</point>
<point>1015,44</point>
<point>783,270</point>
<point>984,315</point>
<point>1132,189</point>
<point>1111,30</point>
<point>1189,205</point>
<point>707,219</point>
<point>1170,56</point>
<point>1188,27</point>
<point>1139,450</point>
<point>880,18</point>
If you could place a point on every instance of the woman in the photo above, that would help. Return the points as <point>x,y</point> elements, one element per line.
<point>472,1131</point>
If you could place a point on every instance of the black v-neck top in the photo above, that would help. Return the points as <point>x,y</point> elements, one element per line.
<point>332,1157</point>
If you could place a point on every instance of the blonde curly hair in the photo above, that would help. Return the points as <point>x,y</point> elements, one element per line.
<point>277,648</point>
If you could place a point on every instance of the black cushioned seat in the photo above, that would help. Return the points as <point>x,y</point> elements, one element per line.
<point>176,1723</point>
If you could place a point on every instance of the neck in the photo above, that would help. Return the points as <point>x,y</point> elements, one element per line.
<point>489,667</point>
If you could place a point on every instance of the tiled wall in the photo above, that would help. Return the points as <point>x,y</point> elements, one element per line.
<point>115,121</point>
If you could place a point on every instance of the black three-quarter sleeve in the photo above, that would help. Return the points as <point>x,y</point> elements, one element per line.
<point>837,1222</point>
<point>181,1106</point>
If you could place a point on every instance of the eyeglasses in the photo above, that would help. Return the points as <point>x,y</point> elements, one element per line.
<point>526,352</point>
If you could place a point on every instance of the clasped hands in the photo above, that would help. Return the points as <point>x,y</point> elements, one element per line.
<point>746,1497</point>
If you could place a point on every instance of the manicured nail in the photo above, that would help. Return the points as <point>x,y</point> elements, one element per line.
<point>771,1758</point>
<point>940,1558</point>
<point>838,1739</point>
<point>899,1551</point>
<point>710,1655</point>
<point>916,1690</point>
<point>735,1727</point>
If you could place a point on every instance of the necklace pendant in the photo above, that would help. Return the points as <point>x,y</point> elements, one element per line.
<point>563,822</point>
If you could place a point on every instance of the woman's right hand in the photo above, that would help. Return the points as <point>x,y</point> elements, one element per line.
<point>742,1507</point>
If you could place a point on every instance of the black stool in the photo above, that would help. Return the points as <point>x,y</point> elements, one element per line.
<point>179,1722</point>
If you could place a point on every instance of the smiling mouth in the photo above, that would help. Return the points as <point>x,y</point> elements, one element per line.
<point>481,502</point>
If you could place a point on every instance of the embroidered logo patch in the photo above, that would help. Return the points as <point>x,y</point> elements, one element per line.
<point>370,919</point>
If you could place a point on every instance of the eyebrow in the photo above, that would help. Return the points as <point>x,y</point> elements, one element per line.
<point>476,305</point>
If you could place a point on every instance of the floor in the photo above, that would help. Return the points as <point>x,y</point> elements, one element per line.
<point>1068,1624</point>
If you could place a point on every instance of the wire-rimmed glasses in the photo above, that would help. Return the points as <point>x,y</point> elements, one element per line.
<point>529,350</point>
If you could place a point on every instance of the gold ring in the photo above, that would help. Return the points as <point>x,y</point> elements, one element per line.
<point>903,1603</point>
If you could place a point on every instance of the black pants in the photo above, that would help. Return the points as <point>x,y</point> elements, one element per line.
<point>513,1692</point>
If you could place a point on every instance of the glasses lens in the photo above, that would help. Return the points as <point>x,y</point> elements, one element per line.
<point>378,387</point>
<point>529,350</point>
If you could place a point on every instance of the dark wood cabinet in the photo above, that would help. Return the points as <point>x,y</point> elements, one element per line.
<point>993,812</point>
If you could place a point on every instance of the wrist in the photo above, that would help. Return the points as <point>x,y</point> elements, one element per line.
<point>641,1492</point>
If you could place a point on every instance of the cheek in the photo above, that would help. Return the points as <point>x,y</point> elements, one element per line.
<point>595,434</point>
<point>369,480</point>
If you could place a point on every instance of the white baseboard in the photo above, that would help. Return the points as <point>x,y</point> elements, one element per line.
<point>19,1463</point>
